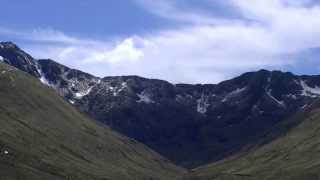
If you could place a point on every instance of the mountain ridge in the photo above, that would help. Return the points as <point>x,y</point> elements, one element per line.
<point>189,124</point>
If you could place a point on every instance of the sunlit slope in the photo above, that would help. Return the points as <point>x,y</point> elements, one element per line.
<point>293,156</point>
<point>42,138</point>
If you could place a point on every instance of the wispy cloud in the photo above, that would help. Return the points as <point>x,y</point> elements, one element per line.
<point>45,35</point>
<point>172,9</point>
<point>205,48</point>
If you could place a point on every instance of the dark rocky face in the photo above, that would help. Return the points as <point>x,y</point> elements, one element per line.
<point>195,124</point>
<point>69,83</point>
<point>14,56</point>
<point>190,124</point>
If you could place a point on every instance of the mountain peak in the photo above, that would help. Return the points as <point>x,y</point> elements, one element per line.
<point>263,71</point>
<point>8,44</point>
<point>16,57</point>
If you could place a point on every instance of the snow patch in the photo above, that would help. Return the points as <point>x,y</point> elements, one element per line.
<point>237,91</point>
<point>123,85</point>
<point>269,93</point>
<point>309,91</point>
<point>81,94</point>
<point>42,77</point>
<point>269,78</point>
<point>202,104</point>
<point>304,106</point>
<point>179,98</point>
<point>117,91</point>
<point>1,58</point>
<point>6,152</point>
<point>292,96</point>
<point>144,98</point>
<point>71,101</point>
<point>44,80</point>
<point>233,93</point>
<point>224,99</point>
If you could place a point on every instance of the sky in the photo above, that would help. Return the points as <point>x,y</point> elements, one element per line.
<point>181,41</point>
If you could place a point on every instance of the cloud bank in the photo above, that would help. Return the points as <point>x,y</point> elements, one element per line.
<point>205,47</point>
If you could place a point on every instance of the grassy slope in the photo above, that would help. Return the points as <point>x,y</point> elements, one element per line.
<point>293,156</point>
<point>46,138</point>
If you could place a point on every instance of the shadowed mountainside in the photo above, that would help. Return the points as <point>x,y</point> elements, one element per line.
<point>293,156</point>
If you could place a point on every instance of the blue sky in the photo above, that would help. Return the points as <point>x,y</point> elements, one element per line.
<point>190,41</point>
<point>86,18</point>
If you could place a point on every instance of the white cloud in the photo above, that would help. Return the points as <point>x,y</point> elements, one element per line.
<point>207,49</point>
<point>194,54</point>
<point>124,51</point>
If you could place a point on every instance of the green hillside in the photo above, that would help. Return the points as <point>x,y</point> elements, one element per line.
<point>42,138</point>
<point>293,156</point>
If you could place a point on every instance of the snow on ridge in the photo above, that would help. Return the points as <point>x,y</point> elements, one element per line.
<point>309,91</point>
<point>1,58</point>
<point>202,104</point>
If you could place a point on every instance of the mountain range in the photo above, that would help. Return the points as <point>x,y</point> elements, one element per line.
<point>191,125</point>
<point>62,123</point>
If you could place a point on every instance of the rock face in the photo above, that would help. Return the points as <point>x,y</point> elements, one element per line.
<point>13,55</point>
<point>70,83</point>
<point>195,124</point>
<point>189,124</point>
